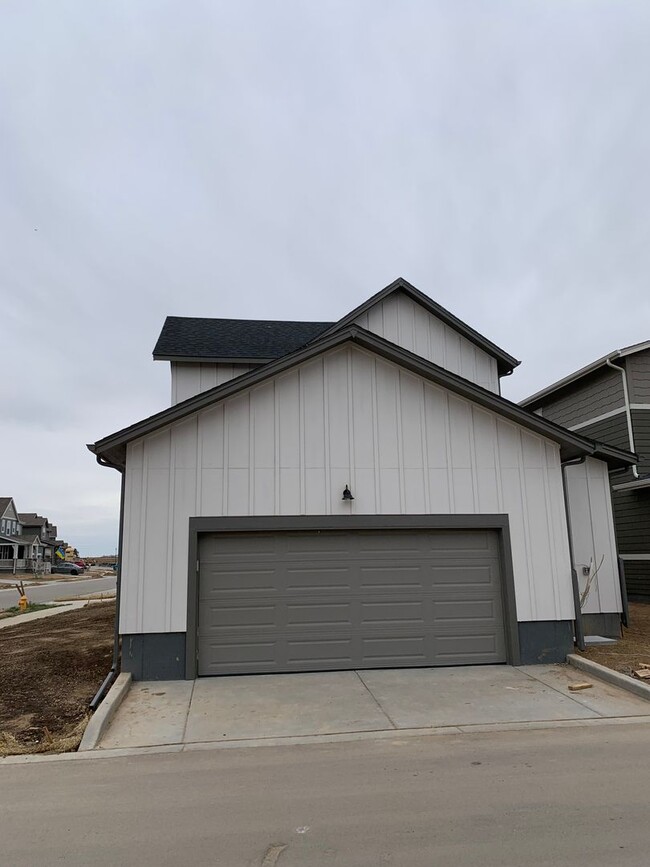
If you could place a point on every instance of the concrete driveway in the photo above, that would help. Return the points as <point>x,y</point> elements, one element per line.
<point>343,705</point>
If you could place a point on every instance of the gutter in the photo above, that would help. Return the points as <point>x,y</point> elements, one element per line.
<point>579,629</point>
<point>628,413</point>
<point>112,674</point>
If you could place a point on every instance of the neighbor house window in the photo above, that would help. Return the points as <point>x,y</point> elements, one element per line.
<point>2,526</point>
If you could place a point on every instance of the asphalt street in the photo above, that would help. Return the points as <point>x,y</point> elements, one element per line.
<point>52,590</point>
<point>576,796</point>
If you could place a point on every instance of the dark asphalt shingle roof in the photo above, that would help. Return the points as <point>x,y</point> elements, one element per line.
<point>194,337</point>
<point>31,519</point>
<point>4,502</point>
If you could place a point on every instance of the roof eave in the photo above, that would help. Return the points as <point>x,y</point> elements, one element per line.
<point>207,359</point>
<point>634,485</point>
<point>537,399</point>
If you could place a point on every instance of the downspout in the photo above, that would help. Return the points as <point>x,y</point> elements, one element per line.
<point>579,629</point>
<point>112,674</point>
<point>635,472</point>
<point>628,412</point>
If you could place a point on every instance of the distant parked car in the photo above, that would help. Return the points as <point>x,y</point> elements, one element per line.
<point>65,568</point>
<point>81,565</point>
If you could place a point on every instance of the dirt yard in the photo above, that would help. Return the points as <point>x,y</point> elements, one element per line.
<point>633,649</point>
<point>49,671</point>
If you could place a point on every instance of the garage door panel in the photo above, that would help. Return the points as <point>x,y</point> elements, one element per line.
<point>468,647</point>
<point>295,612</point>
<point>459,612</point>
<point>366,599</point>
<point>391,612</point>
<point>461,575</point>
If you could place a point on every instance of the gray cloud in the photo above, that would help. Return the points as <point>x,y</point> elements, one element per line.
<point>283,159</point>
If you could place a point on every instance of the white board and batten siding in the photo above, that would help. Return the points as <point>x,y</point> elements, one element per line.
<point>190,378</point>
<point>398,319</point>
<point>288,446</point>
<point>406,323</point>
<point>592,529</point>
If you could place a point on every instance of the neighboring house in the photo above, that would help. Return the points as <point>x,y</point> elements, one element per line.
<point>46,532</point>
<point>610,400</point>
<point>21,549</point>
<point>350,495</point>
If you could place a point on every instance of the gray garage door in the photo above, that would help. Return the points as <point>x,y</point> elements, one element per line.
<point>317,601</point>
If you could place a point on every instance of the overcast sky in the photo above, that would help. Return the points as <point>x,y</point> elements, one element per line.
<point>287,160</point>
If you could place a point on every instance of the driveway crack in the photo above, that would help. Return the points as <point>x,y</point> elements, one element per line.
<point>376,701</point>
<point>573,698</point>
<point>187,715</point>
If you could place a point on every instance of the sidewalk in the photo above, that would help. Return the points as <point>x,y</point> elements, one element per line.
<point>59,608</point>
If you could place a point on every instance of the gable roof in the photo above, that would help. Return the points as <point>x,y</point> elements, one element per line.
<point>506,363</point>
<point>31,519</point>
<point>186,338</point>
<point>535,400</point>
<point>111,450</point>
<point>4,504</point>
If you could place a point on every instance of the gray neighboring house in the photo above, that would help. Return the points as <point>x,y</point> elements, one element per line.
<point>34,524</point>
<point>610,401</point>
<point>356,494</point>
<point>21,548</point>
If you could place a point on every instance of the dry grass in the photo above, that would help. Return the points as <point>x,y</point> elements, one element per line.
<point>634,648</point>
<point>62,742</point>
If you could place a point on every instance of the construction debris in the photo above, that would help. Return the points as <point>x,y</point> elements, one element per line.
<point>576,687</point>
<point>643,673</point>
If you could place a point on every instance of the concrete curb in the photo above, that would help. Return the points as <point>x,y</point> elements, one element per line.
<point>611,676</point>
<point>393,735</point>
<point>102,717</point>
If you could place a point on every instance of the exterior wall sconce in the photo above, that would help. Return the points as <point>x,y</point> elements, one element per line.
<point>347,494</point>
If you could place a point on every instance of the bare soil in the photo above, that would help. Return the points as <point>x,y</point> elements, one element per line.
<point>49,671</point>
<point>627,655</point>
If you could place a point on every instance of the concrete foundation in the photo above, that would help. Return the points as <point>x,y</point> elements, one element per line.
<point>154,655</point>
<point>607,625</point>
<point>545,641</point>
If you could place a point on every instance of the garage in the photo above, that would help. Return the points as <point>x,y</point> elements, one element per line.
<point>321,599</point>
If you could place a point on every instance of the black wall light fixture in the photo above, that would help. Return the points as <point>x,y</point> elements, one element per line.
<point>347,494</point>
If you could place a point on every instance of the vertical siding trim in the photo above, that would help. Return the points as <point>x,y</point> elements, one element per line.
<point>226,460</point>
<point>450,468</point>
<point>276,447</point>
<point>523,500</point>
<point>400,443</point>
<point>198,485</point>
<point>251,456</point>
<point>595,586</point>
<point>171,529</point>
<point>326,419</point>
<point>302,442</point>
<point>551,531</point>
<point>375,432</point>
<point>612,540</point>
<point>497,465</point>
<point>426,477</point>
<point>144,505</point>
<point>472,460</point>
<point>351,458</point>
